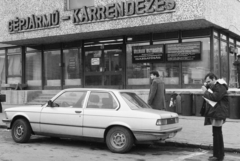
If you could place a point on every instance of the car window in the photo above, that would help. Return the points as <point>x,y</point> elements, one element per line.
<point>133,101</point>
<point>101,100</point>
<point>70,99</point>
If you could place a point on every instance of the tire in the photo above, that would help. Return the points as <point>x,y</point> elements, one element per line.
<point>119,140</point>
<point>21,131</point>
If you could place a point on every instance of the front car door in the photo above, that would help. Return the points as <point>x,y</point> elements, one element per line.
<point>65,118</point>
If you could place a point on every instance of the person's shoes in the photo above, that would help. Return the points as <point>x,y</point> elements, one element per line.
<point>212,158</point>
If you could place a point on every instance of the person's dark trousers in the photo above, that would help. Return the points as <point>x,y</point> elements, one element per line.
<point>218,145</point>
<point>1,107</point>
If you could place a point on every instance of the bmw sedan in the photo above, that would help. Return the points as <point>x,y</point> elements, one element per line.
<point>117,117</point>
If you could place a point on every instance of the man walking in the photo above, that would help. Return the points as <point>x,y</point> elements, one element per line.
<point>237,64</point>
<point>156,98</point>
<point>215,90</point>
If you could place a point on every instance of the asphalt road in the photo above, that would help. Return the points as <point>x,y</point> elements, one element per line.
<point>45,148</point>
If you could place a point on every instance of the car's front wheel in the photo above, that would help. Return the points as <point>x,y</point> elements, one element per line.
<point>119,140</point>
<point>21,131</point>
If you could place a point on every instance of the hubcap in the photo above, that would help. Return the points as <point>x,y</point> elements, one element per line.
<point>19,131</point>
<point>118,140</point>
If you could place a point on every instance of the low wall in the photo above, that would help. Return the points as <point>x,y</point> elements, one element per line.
<point>19,96</point>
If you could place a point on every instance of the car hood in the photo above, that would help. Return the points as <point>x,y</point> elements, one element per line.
<point>30,108</point>
<point>161,113</point>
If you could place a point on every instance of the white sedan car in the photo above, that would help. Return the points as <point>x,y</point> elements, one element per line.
<point>117,117</point>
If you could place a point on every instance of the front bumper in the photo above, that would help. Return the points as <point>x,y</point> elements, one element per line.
<point>7,122</point>
<point>156,136</point>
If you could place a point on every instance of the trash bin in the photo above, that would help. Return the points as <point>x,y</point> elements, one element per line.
<point>198,104</point>
<point>186,104</point>
<point>234,103</point>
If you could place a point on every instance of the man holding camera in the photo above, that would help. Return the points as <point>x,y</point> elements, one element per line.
<point>215,90</point>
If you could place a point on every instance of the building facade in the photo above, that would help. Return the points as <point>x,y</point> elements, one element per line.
<point>57,44</point>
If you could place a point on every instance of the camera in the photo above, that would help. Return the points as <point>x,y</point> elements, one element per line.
<point>207,85</point>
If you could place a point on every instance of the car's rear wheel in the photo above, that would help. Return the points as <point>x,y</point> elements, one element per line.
<point>21,131</point>
<point>119,140</point>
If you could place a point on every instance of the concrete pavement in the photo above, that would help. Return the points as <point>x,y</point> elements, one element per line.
<point>194,133</point>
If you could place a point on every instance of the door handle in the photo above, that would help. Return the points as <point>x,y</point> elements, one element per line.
<point>78,111</point>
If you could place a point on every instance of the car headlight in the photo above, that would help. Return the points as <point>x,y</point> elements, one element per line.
<point>161,122</point>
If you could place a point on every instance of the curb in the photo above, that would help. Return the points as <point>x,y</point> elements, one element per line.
<point>189,145</point>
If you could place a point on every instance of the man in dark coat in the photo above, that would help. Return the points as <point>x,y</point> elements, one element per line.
<point>156,98</point>
<point>237,64</point>
<point>215,90</point>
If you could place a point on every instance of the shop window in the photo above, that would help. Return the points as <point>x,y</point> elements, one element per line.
<point>238,44</point>
<point>72,67</point>
<point>2,67</point>
<point>232,69</point>
<point>232,72</point>
<point>193,72</point>
<point>215,33</point>
<point>223,37</point>
<point>14,66</point>
<point>216,58</point>
<point>33,69</point>
<point>52,68</point>
<point>169,72</point>
<point>231,41</point>
<point>224,60</point>
<point>14,50</point>
<point>137,73</point>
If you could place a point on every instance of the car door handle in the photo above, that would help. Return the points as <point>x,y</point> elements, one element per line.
<point>78,111</point>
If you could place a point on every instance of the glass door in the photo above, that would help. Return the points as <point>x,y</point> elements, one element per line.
<point>103,67</point>
<point>52,69</point>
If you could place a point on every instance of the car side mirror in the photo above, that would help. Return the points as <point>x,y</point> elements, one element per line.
<point>50,103</point>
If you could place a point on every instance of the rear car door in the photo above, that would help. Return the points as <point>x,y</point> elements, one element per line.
<point>100,111</point>
<point>65,118</point>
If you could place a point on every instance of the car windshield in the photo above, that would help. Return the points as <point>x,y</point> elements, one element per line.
<point>133,101</point>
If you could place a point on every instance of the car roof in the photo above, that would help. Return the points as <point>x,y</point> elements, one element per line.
<point>96,89</point>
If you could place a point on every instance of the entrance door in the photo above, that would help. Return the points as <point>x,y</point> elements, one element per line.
<point>103,67</point>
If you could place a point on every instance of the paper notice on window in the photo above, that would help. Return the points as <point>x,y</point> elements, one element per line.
<point>212,103</point>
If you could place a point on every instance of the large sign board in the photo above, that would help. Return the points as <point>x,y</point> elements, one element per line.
<point>122,9</point>
<point>148,53</point>
<point>187,51</point>
<point>85,12</point>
